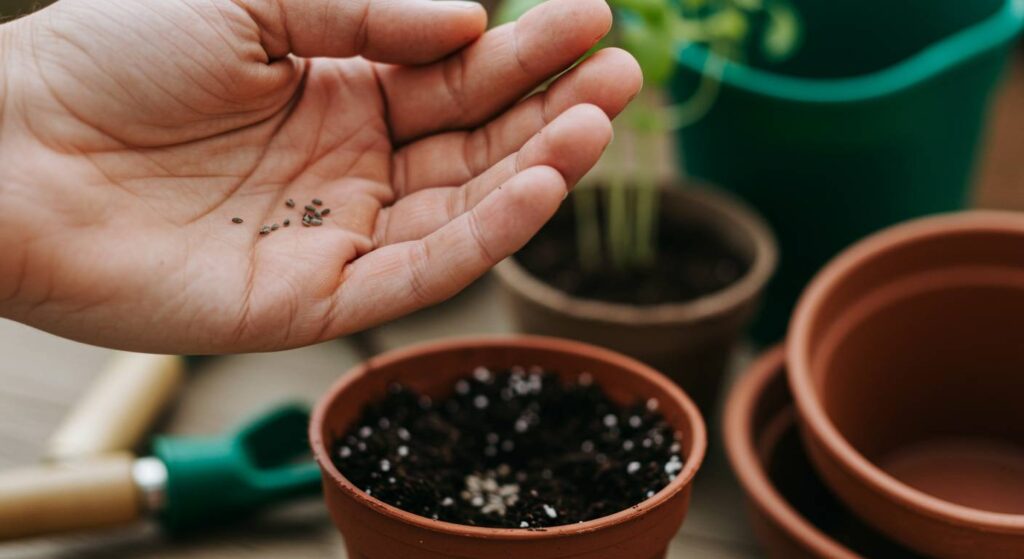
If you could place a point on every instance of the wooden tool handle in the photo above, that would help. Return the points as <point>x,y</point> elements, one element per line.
<point>47,499</point>
<point>120,406</point>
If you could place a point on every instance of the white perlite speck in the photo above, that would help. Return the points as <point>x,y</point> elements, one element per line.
<point>482,374</point>
<point>550,511</point>
<point>484,493</point>
<point>633,467</point>
<point>674,465</point>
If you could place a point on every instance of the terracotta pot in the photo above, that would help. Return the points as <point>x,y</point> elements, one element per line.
<point>375,530</point>
<point>692,341</point>
<point>793,514</point>
<point>905,359</point>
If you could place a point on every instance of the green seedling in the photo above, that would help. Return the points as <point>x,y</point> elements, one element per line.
<point>653,31</point>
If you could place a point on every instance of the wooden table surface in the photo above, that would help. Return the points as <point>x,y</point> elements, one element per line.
<point>40,376</point>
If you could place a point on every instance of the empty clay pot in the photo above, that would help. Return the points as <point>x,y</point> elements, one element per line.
<point>375,530</point>
<point>793,514</point>
<point>689,341</point>
<point>906,361</point>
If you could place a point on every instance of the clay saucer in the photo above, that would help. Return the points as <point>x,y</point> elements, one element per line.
<point>794,515</point>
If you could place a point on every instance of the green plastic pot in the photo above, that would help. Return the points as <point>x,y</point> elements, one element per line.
<point>874,120</point>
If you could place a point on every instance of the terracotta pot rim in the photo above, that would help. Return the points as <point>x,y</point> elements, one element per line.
<point>732,209</point>
<point>683,479</point>
<point>815,420</point>
<point>741,448</point>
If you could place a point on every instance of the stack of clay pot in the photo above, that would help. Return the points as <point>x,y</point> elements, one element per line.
<point>891,424</point>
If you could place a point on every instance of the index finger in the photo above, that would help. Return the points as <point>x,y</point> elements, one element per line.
<point>476,83</point>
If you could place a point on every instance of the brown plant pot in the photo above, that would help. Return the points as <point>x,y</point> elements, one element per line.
<point>793,514</point>
<point>375,530</point>
<point>905,358</point>
<point>689,341</point>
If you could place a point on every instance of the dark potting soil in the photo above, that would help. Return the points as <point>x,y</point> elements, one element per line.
<point>691,262</point>
<point>513,449</point>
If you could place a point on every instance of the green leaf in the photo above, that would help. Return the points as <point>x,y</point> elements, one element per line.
<point>653,12</point>
<point>729,24</point>
<point>511,10</point>
<point>749,5</point>
<point>694,5</point>
<point>653,48</point>
<point>782,33</point>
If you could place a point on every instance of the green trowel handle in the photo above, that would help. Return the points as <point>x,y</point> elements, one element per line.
<point>219,479</point>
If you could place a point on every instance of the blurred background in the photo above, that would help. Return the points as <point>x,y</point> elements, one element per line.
<point>774,145</point>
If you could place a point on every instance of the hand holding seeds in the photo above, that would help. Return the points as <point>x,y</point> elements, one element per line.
<point>150,168</point>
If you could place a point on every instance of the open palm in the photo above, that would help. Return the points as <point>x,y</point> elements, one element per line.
<point>132,133</point>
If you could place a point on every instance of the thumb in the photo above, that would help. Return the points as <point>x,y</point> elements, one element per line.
<point>393,31</point>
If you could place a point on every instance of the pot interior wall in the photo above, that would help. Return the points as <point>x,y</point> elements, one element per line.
<point>926,380</point>
<point>843,38</point>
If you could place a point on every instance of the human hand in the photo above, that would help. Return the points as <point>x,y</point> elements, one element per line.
<point>131,133</point>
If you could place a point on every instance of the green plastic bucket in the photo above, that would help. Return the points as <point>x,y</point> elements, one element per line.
<point>876,119</point>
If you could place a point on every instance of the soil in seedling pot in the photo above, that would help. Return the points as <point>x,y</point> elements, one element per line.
<point>692,262</point>
<point>510,449</point>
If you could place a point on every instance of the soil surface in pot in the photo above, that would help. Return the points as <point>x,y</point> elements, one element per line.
<point>510,449</point>
<point>692,262</point>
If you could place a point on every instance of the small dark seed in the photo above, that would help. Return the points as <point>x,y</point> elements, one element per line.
<point>326,211</point>
<point>310,209</point>
<point>317,215</point>
<point>287,222</point>
<point>275,227</point>
<point>236,220</point>
<point>305,223</point>
<point>264,230</point>
<point>290,203</point>
<point>316,222</point>
<point>318,202</point>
